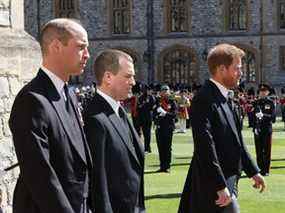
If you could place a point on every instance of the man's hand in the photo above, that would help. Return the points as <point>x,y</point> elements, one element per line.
<point>259,115</point>
<point>259,182</point>
<point>224,197</point>
<point>161,111</point>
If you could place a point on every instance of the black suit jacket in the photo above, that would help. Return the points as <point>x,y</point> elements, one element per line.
<point>145,109</point>
<point>118,165</point>
<point>219,151</point>
<point>52,154</point>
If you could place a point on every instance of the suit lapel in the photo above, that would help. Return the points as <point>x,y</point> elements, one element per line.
<point>80,122</point>
<point>117,125</point>
<point>59,106</point>
<point>230,118</point>
<point>227,112</point>
<point>136,139</point>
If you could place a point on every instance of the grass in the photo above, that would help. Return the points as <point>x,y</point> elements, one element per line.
<point>163,190</point>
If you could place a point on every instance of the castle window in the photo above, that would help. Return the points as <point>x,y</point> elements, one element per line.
<point>249,66</point>
<point>282,58</point>
<point>121,16</point>
<point>282,14</point>
<point>237,15</point>
<point>66,9</point>
<point>179,66</point>
<point>178,15</point>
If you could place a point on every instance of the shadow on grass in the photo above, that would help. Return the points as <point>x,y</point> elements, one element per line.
<point>277,167</point>
<point>184,158</point>
<point>150,172</point>
<point>153,165</point>
<point>163,196</point>
<point>282,159</point>
<point>180,164</point>
<point>173,164</point>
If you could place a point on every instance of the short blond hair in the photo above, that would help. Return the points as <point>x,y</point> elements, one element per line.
<point>62,29</point>
<point>223,54</point>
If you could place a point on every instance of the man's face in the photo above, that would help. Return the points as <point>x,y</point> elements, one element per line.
<point>232,74</point>
<point>263,93</point>
<point>75,54</point>
<point>122,83</point>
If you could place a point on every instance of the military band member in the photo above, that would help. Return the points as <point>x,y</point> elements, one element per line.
<point>183,104</point>
<point>282,104</point>
<point>164,117</point>
<point>145,105</point>
<point>264,116</point>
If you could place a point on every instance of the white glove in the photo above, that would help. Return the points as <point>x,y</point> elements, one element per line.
<point>259,115</point>
<point>161,111</point>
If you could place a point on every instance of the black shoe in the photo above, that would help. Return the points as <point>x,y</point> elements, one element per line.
<point>264,173</point>
<point>163,170</point>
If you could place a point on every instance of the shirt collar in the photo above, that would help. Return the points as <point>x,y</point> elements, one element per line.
<point>113,103</point>
<point>57,82</point>
<point>222,89</point>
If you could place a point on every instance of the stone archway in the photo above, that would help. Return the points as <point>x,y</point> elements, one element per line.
<point>178,65</point>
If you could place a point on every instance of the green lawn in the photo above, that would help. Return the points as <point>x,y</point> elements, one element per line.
<point>163,190</point>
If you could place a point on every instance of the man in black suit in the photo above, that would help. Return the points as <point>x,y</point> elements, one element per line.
<point>117,151</point>
<point>53,154</point>
<point>219,151</point>
<point>145,106</point>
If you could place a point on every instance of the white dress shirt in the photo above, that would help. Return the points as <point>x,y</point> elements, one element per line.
<point>57,82</point>
<point>113,103</point>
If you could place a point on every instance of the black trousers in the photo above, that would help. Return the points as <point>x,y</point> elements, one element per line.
<point>146,129</point>
<point>164,144</point>
<point>137,125</point>
<point>263,142</point>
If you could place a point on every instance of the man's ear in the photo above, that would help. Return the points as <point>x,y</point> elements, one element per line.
<point>222,68</point>
<point>55,46</point>
<point>108,76</point>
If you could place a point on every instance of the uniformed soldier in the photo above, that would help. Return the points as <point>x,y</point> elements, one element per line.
<point>282,104</point>
<point>264,116</point>
<point>183,103</point>
<point>164,117</point>
<point>145,105</point>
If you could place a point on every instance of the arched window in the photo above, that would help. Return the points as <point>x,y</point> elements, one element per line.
<point>237,15</point>
<point>281,14</point>
<point>179,66</point>
<point>178,15</point>
<point>282,58</point>
<point>249,67</point>
<point>66,9</point>
<point>121,16</point>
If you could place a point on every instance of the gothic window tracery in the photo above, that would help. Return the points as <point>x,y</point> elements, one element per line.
<point>237,14</point>
<point>179,66</point>
<point>66,9</point>
<point>121,16</point>
<point>178,15</point>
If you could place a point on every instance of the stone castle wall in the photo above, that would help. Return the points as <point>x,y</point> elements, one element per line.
<point>19,59</point>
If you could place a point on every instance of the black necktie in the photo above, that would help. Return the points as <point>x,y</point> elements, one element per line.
<point>124,120</point>
<point>67,101</point>
<point>230,99</point>
<point>123,117</point>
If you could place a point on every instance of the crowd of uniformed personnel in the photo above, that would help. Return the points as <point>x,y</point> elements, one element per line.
<point>167,109</point>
